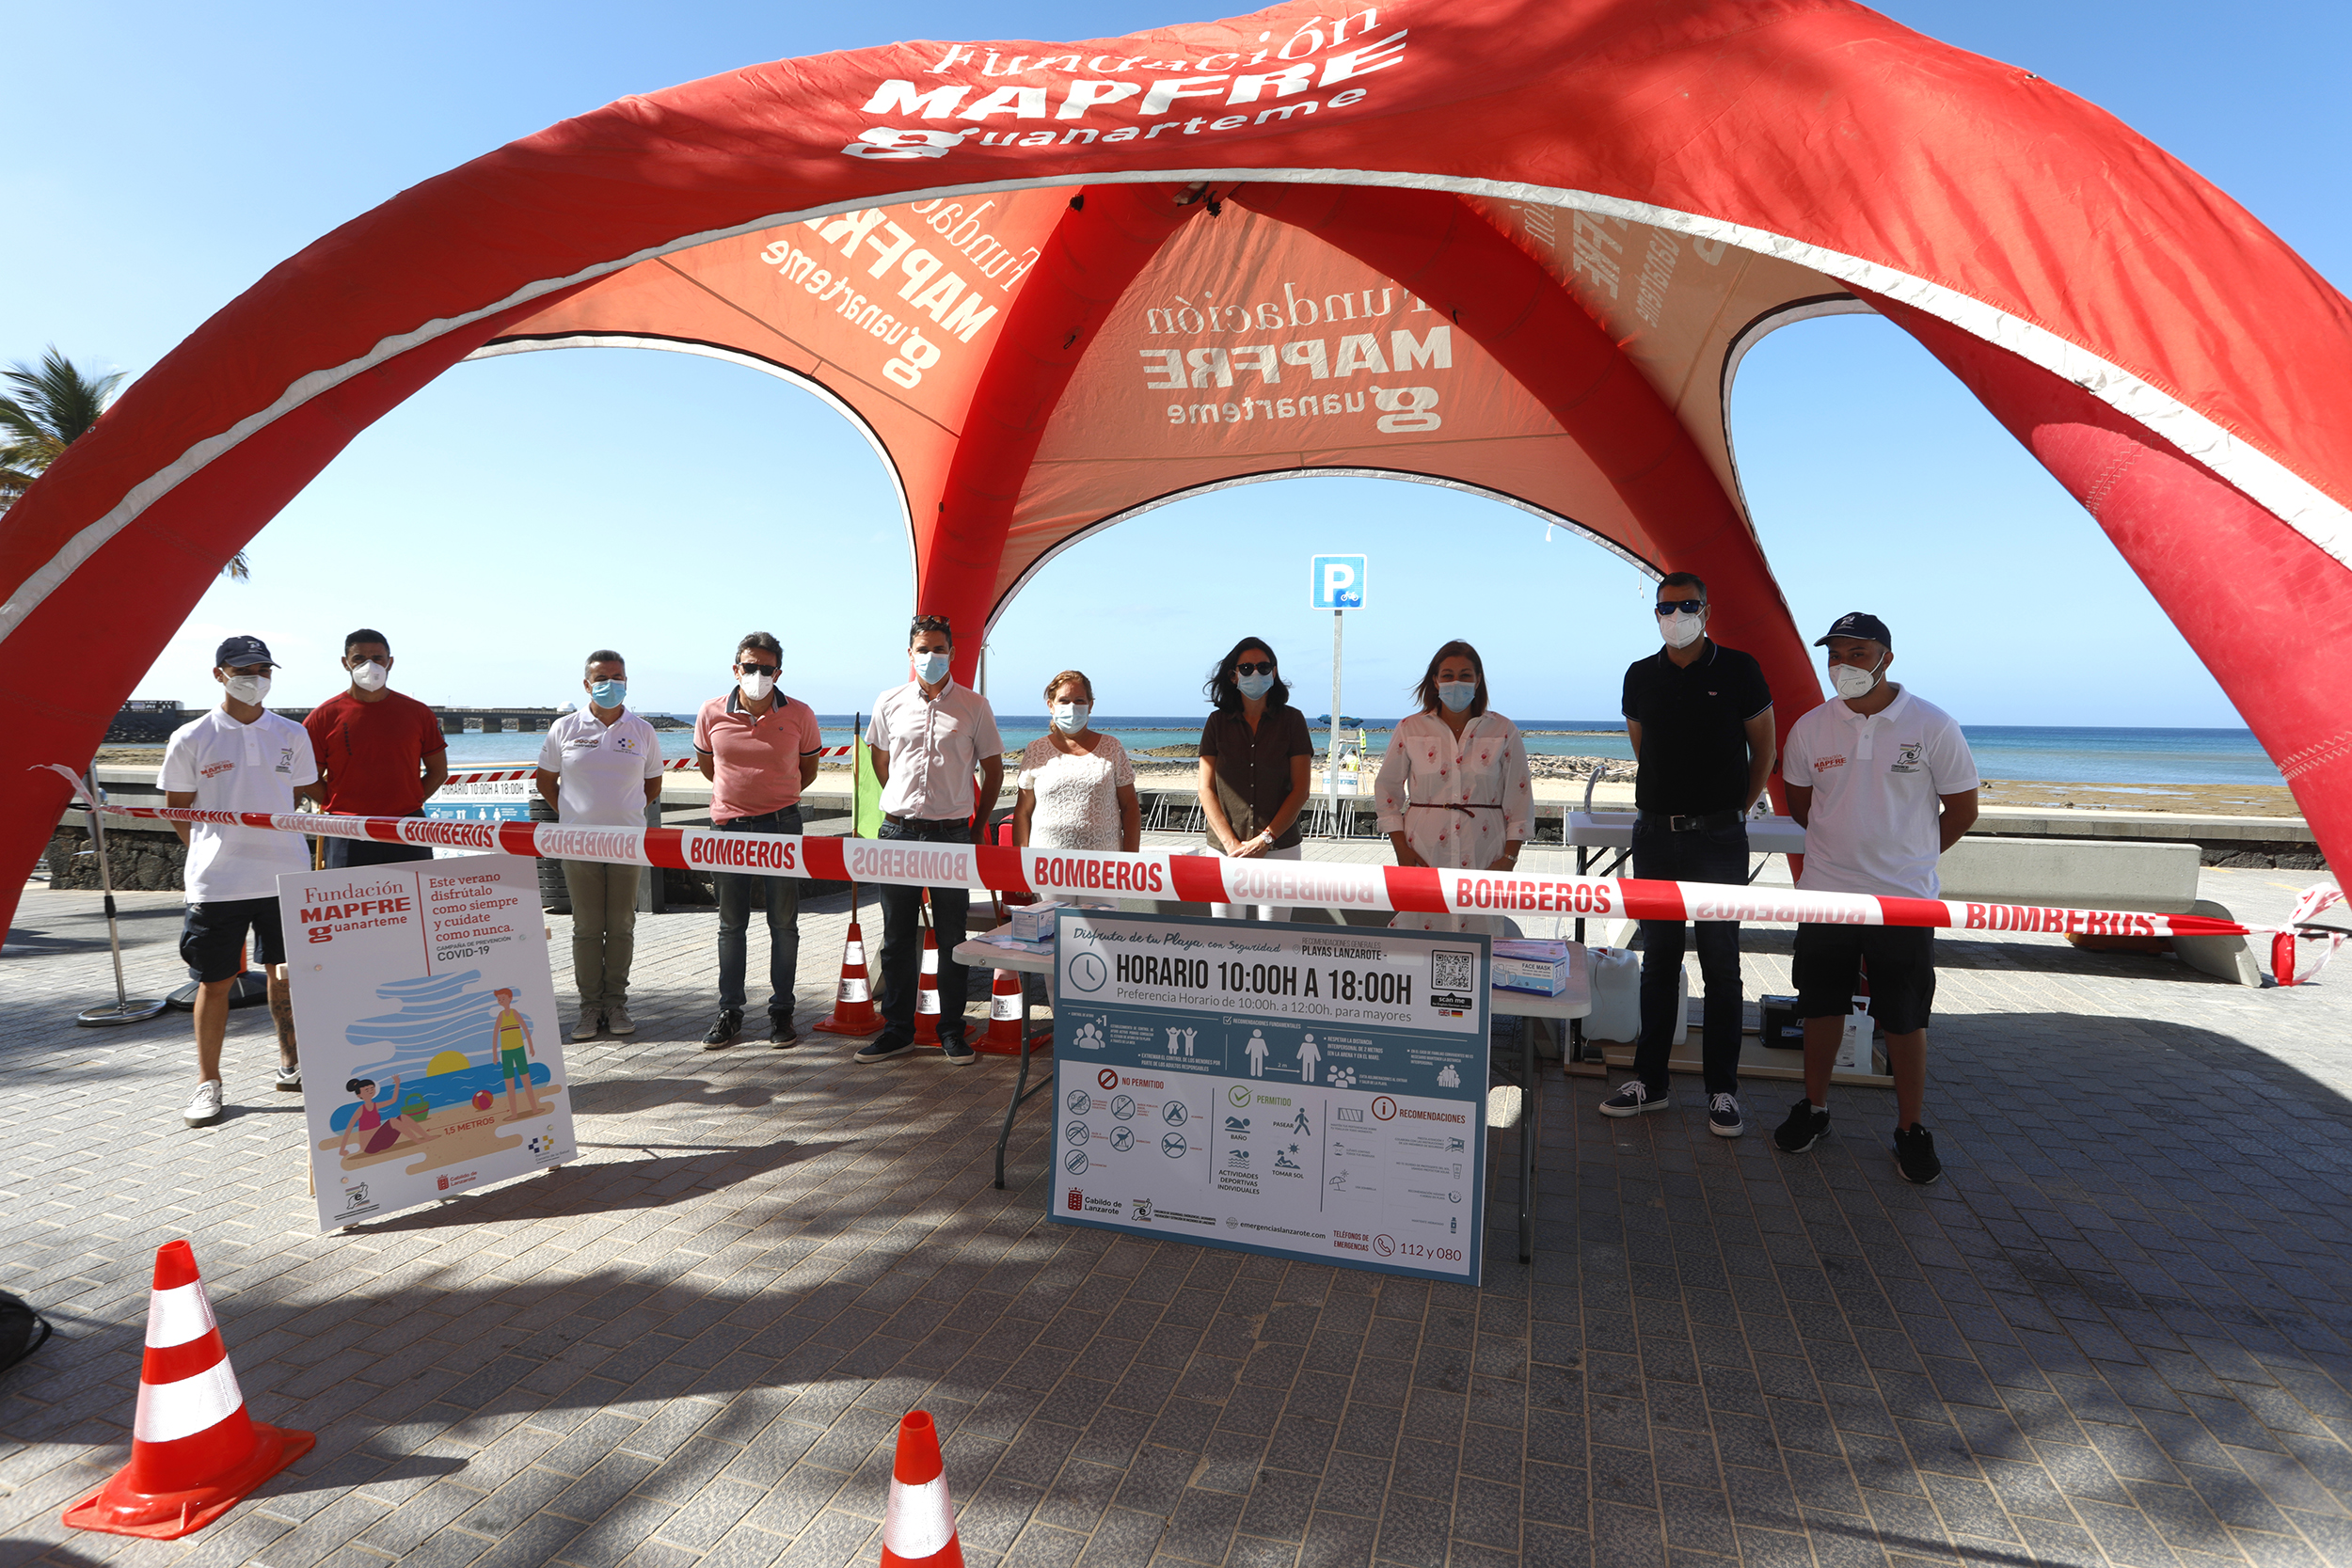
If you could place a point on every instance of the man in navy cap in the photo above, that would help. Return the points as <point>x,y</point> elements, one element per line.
<point>239,757</point>
<point>1882,785</point>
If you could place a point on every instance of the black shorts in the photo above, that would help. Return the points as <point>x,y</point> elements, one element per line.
<point>212,934</point>
<point>1828,964</point>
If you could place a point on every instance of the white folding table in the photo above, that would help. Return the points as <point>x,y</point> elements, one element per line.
<point>984,951</point>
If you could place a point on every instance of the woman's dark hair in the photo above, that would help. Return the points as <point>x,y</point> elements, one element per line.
<point>1426,693</point>
<point>358,1084</point>
<point>1225,695</point>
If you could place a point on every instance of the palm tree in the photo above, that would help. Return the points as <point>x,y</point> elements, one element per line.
<point>48,410</point>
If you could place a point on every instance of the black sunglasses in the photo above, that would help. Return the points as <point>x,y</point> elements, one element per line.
<point>1264,668</point>
<point>1688,607</point>
<point>760,669</point>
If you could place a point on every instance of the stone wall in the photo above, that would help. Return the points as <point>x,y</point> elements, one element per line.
<point>139,862</point>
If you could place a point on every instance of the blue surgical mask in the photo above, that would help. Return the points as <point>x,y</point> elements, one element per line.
<point>931,668</point>
<point>1254,686</point>
<point>1456,695</point>
<point>608,693</point>
<point>1071,717</point>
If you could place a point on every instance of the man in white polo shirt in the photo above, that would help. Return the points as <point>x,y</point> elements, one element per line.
<point>602,767</point>
<point>1882,785</point>
<point>928,739</point>
<point>239,757</point>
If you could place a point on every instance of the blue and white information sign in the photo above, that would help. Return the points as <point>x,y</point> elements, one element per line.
<point>1339,582</point>
<point>1305,1091</point>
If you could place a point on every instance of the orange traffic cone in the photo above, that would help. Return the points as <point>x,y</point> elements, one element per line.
<point>926,992</point>
<point>1007,1016</point>
<point>919,1521</point>
<point>194,1452</point>
<point>853,1004</point>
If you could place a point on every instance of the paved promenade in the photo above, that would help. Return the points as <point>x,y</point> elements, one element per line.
<point>2119,1332</point>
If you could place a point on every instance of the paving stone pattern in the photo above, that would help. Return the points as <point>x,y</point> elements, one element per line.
<point>2116,1333</point>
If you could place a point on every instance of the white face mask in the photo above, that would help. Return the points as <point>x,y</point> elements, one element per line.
<point>1069,718</point>
<point>1681,629</point>
<point>370,676</point>
<point>249,689</point>
<point>756,687</point>
<point>1853,681</point>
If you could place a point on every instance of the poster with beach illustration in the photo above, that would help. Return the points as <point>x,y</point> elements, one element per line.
<point>431,1059</point>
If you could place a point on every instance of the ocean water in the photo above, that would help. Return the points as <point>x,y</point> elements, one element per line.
<point>2086,754</point>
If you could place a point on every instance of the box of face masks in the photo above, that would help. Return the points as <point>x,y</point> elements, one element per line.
<point>1541,967</point>
<point>1033,922</point>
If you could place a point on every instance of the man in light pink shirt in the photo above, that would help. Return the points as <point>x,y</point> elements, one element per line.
<point>759,748</point>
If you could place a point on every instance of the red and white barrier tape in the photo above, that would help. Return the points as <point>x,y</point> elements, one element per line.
<point>1172,877</point>
<point>503,775</point>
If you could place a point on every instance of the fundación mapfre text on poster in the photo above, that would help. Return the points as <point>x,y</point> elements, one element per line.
<point>432,1061</point>
<point>1307,1091</point>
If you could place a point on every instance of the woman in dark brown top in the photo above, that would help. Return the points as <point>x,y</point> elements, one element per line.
<point>1256,766</point>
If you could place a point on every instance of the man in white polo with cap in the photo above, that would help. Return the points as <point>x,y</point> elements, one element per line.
<point>1882,785</point>
<point>239,757</point>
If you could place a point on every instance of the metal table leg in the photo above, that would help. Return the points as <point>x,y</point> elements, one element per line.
<point>1531,1102</point>
<point>1021,1090</point>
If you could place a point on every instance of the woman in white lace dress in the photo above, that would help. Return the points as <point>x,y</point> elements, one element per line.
<point>1077,787</point>
<point>1453,790</point>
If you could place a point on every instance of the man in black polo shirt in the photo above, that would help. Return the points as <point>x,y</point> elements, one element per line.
<point>1700,718</point>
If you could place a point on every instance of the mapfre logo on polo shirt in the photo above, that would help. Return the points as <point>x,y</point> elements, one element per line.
<point>1823,765</point>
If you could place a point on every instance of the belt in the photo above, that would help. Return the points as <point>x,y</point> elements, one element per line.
<point>936,821</point>
<point>1447,805</point>
<point>1706,823</point>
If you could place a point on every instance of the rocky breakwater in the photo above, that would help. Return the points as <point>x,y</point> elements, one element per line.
<point>138,861</point>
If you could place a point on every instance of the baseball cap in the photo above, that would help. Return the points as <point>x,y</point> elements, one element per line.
<point>1855,623</point>
<point>238,652</point>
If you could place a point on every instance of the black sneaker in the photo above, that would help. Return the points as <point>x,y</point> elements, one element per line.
<point>882,1047</point>
<point>723,1032</point>
<point>958,1052</point>
<point>1914,1155</point>
<point>1803,1129</point>
<point>780,1032</point>
<point>1723,1116</point>
<point>1632,1098</point>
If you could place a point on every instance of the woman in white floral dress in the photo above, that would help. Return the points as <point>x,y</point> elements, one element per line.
<point>1453,790</point>
<point>1077,787</point>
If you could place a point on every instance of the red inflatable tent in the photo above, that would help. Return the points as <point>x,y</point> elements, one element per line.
<point>1512,246</point>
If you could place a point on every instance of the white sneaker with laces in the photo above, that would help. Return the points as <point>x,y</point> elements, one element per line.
<point>590,1022</point>
<point>290,1079</point>
<point>204,1109</point>
<point>617,1021</point>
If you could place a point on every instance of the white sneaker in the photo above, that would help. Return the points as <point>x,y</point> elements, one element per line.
<point>617,1021</point>
<point>204,1109</point>
<point>590,1022</point>
<point>290,1079</point>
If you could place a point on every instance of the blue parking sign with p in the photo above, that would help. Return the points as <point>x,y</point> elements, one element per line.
<point>1339,582</point>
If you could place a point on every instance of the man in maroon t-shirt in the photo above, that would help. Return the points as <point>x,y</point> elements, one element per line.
<point>379,754</point>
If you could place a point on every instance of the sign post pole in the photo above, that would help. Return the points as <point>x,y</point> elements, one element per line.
<point>1336,584</point>
<point>1332,767</point>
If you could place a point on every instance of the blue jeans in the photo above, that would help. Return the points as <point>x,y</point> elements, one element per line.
<point>903,938</point>
<point>1704,855</point>
<point>737,891</point>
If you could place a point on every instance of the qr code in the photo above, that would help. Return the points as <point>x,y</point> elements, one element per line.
<point>1451,970</point>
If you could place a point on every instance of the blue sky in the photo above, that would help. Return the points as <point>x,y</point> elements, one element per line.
<point>520,511</point>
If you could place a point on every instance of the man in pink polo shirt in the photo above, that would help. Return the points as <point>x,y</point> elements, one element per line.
<point>759,748</point>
